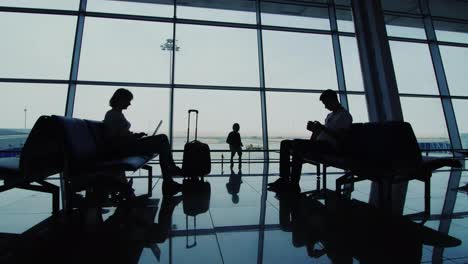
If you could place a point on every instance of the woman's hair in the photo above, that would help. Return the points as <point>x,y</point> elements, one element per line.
<point>119,96</point>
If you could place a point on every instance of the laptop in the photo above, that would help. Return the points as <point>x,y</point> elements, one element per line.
<point>157,128</point>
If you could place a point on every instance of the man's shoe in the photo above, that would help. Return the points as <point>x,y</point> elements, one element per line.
<point>169,188</point>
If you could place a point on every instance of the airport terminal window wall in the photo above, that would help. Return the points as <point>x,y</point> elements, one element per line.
<point>425,103</point>
<point>227,64</point>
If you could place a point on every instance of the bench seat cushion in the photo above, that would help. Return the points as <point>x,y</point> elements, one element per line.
<point>132,163</point>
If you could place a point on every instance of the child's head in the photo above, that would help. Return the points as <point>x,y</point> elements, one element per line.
<point>235,127</point>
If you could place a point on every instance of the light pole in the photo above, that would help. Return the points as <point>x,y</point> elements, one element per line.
<point>169,46</point>
<point>25,116</point>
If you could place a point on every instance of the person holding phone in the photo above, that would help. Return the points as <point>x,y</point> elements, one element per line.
<point>326,138</point>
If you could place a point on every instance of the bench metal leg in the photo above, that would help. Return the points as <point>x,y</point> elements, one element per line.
<point>318,176</point>
<point>149,168</point>
<point>427,198</point>
<point>324,188</point>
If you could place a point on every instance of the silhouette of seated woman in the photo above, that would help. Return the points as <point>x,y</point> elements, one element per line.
<point>122,142</point>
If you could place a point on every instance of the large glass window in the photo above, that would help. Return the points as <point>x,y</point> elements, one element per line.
<point>216,56</point>
<point>358,108</point>
<point>288,114</point>
<point>454,60</point>
<point>36,46</point>
<point>428,125</point>
<point>218,110</point>
<point>451,32</point>
<point>400,26</point>
<point>413,68</point>
<point>296,16</point>
<point>461,109</point>
<point>237,11</point>
<point>351,64</point>
<point>345,20</point>
<point>125,51</point>
<point>22,104</point>
<point>49,4</point>
<point>163,8</point>
<point>298,60</point>
<point>148,107</point>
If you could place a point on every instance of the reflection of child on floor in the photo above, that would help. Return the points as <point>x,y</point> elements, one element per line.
<point>235,144</point>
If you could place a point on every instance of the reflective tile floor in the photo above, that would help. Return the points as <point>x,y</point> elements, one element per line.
<point>237,222</point>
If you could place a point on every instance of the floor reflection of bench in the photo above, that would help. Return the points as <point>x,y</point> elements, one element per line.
<point>386,153</point>
<point>40,158</point>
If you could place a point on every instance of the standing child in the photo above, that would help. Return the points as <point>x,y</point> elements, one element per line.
<point>235,144</point>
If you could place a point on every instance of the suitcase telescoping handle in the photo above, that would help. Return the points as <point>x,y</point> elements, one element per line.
<point>187,245</point>
<point>196,123</point>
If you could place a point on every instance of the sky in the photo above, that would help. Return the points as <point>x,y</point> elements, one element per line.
<point>40,46</point>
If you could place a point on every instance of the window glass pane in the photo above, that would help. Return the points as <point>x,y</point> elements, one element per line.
<point>162,8</point>
<point>36,46</point>
<point>451,32</point>
<point>351,64</point>
<point>399,26</point>
<point>49,4</point>
<point>358,108</point>
<point>219,110</point>
<point>413,68</point>
<point>237,11</point>
<point>461,109</point>
<point>22,104</point>
<point>216,56</point>
<point>148,107</point>
<point>298,60</point>
<point>297,16</point>
<point>345,20</point>
<point>408,6</point>
<point>451,9</point>
<point>454,60</point>
<point>288,114</point>
<point>125,51</point>
<point>428,125</point>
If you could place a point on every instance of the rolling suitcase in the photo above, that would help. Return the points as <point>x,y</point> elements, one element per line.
<point>196,159</point>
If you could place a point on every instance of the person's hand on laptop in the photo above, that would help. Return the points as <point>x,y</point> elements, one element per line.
<point>140,135</point>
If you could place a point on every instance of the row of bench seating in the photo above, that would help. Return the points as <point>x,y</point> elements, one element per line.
<point>71,146</point>
<point>386,153</point>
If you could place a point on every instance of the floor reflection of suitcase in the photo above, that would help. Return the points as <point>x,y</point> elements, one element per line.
<point>196,200</point>
<point>196,159</point>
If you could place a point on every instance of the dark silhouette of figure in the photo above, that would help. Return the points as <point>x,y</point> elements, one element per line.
<point>233,185</point>
<point>344,229</point>
<point>235,144</point>
<point>325,139</point>
<point>122,142</point>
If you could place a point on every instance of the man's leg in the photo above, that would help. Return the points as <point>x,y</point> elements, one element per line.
<point>239,154</point>
<point>306,147</point>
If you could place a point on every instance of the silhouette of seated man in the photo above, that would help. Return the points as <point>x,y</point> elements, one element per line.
<point>326,138</point>
<point>233,186</point>
<point>122,142</point>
